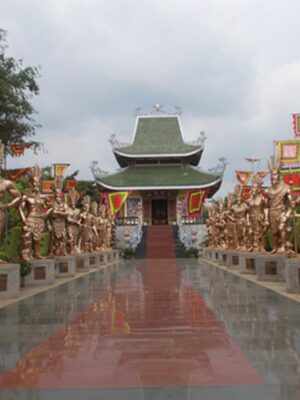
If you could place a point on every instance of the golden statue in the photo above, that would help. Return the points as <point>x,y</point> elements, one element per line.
<point>257,220</point>
<point>280,208</point>
<point>220,224</point>
<point>229,232</point>
<point>73,222</point>
<point>57,226</point>
<point>97,224</point>
<point>240,212</point>
<point>88,228</point>
<point>33,216</point>
<point>109,230</point>
<point>6,186</point>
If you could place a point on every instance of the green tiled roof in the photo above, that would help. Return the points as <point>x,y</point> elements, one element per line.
<point>158,135</point>
<point>158,176</point>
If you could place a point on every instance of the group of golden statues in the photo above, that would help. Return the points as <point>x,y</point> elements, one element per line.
<point>242,224</point>
<point>72,230</point>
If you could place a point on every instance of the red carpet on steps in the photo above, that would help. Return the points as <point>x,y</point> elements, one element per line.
<point>160,242</point>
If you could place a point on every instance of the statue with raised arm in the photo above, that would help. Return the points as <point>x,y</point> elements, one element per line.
<point>257,218</point>
<point>73,222</point>
<point>58,219</point>
<point>280,209</point>
<point>33,216</point>
<point>6,186</point>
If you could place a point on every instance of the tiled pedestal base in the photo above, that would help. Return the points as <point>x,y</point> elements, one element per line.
<point>64,266</point>
<point>82,262</point>
<point>232,260</point>
<point>94,260</point>
<point>42,273</point>
<point>9,281</point>
<point>270,268</point>
<point>292,272</point>
<point>247,264</point>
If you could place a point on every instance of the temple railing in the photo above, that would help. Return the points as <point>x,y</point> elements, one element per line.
<point>121,221</point>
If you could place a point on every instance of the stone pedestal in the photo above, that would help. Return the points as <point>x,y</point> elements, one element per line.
<point>247,264</point>
<point>233,259</point>
<point>82,262</point>
<point>94,260</point>
<point>270,268</point>
<point>106,257</point>
<point>9,281</point>
<point>115,255</point>
<point>292,273</point>
<point>42,272</point>
<point>222,258</point>
<point>64,266</point>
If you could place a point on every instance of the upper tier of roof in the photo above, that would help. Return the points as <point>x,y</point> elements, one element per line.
<point>158,136</point>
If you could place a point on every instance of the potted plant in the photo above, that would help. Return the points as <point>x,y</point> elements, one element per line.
<point>128,253</point>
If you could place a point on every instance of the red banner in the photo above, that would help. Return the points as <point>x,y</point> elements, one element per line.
<point>195,201</point>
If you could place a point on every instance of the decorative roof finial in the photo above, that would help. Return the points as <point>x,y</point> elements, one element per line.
<point>158,109</point>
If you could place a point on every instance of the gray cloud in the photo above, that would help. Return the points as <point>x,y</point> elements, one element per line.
<point>232,65</point>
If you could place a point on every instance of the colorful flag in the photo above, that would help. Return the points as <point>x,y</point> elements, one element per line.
<point>288,151</point>
<point>14,174</point>
<point>243,177</point>
<point>116,201</point>
<point>47,186</point>
<point>18,149</point>
<point>195,201</point>
<point>68,184</point>
<point>59,169</point>
<point>291,177</point>
<point>296,125</point>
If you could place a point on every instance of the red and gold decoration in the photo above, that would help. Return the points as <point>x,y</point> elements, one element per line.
<point>47,186</point>
<point>296,125</point>
<point>18,149</point>
<point>288,151</point>
<point>14,174</point>
<point>291,177</point>
<point>195,201</point>
<point>59,169</point>
<point>116,201</point>
<point>68,184</point>
<point>243,177</point>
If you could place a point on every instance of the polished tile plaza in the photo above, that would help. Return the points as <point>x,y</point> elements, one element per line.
<point>154,329</point>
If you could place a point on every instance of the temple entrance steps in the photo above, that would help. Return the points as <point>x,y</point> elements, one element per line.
<point>160,241</point>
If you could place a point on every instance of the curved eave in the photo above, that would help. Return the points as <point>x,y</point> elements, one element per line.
<point>125,159</point>
<point>157,155</point>
<point>212,186</point>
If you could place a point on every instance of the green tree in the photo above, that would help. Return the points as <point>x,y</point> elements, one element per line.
<point>17,88</point>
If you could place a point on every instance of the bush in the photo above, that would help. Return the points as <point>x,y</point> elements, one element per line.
<point>193,252</point>
<point>128,253</point>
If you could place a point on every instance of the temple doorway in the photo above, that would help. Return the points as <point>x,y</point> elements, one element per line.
<point>159,212</point>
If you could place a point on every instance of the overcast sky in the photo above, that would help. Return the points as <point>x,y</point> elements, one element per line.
<point>232,65</point>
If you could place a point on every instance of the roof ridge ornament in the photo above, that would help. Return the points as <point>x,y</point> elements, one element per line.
<point>158,109</point>
<point>115,144</point>
<point>219,169</point>
<point>200,140</point>
<point>96,171</point>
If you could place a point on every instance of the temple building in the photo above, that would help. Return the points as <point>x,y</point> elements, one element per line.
<point>158,169</point>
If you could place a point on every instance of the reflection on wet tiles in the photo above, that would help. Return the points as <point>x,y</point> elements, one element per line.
<point>186,325</point>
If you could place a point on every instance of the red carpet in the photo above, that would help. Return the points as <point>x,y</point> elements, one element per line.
<point>160,242</point>
<point>152,329</point>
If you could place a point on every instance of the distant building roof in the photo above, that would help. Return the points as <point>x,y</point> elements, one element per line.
<point>160,177</point>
